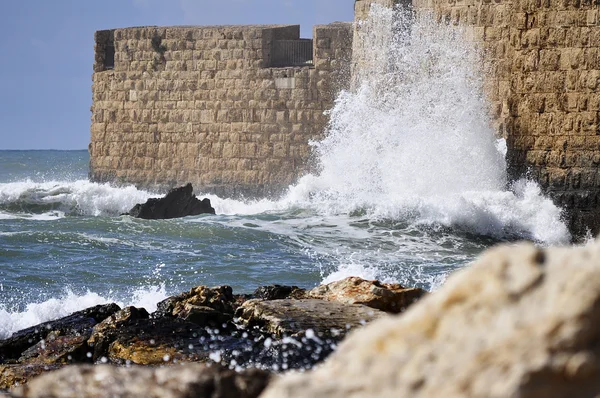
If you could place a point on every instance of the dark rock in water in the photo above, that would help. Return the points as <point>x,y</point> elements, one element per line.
<point>179,202</point>
<point>279,292</point>
<point>191,380</point>
<point>14,375</point>
<point>294,317</point>
<point>77,324</point>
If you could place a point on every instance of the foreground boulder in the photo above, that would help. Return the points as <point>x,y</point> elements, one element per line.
<point>193,380</point>
<point>179,202</point>
<point>388,297</point>
<point>520,322</point>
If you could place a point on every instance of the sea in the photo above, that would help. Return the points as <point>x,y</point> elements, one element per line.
<point>409,186</point>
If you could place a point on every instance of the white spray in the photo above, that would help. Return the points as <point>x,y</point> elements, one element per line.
<point>413,141</point>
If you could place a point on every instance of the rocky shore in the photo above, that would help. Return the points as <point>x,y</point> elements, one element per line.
<point>236,342</point>
<point>521,321</point>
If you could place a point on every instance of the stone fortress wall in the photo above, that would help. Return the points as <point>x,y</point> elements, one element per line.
<point>229,108</point>
<point>544,86</point>
<point>214,106</point>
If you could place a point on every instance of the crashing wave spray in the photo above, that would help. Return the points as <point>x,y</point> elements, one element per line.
<point>413,140</point>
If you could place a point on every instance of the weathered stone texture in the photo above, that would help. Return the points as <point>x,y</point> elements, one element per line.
<point>203,105</point>
<point>543,59</point>
<point>192,380</point>
<point>519,322</point>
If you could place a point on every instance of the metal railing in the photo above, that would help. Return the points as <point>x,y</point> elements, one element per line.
<point>292,53</point>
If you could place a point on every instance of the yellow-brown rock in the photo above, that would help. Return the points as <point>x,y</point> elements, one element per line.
<point>115,321</point>
<point>155,342</point>
<point>144,352</point>
<point>218,298</point>
<point>520,322</point>
<point>15,375</point>
<point>388,297</point>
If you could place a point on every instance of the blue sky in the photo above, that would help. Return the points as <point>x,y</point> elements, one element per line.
<point>47,53</point>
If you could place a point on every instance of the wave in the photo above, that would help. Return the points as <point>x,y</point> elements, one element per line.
<point>13,320</point>
<point>522,212</point>
<point>412,142</point>
<point>55,199</point>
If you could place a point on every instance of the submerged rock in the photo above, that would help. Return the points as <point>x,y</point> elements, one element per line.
<point>192,380</point>
<point>179,202</point>
<point>520,322</point>
<point>294,317</point>
<point>388,297</point>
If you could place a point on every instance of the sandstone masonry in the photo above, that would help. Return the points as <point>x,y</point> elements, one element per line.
<point>229,108</point>
<point>232,109</point>
<point>543,58</point>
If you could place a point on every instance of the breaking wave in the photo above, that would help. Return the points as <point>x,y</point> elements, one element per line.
<point>55,199</point>
<point>34,313</point>
<point>412,142</point>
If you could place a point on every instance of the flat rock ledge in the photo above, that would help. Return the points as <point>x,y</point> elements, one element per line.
<point>294,318</point>
<point>178,202</point>
<point>276,328</point>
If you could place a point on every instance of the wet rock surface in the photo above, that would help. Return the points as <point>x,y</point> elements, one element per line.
<point>192,380</point>
<point>20,346</point>
<point>291,317</point>
<point>388,297</point>
<point>277,328</point>
<point>163,340</point>
<point>279,292</point>
<point>218,302</point>
<point>178,202</point>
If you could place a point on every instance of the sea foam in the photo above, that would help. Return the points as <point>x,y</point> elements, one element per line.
<point>411,142</point>
<point>414,140</point>
<point>13,320</point>
<point>58,198</point>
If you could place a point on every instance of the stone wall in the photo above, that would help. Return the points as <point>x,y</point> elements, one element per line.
<point>362,64</point>
<point>544,81</point>
<point>203,105</point>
